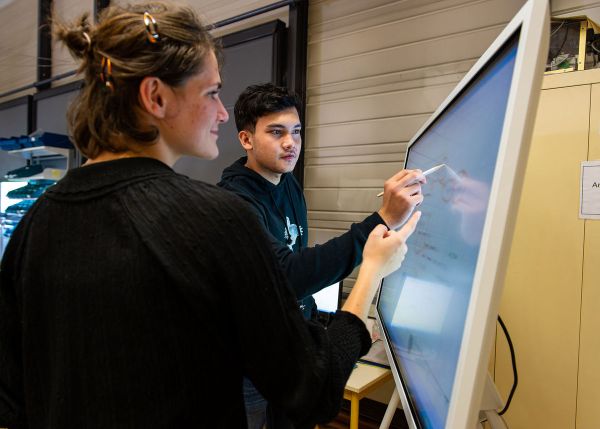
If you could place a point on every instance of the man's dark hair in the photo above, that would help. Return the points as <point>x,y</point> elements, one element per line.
<point>260,100</point>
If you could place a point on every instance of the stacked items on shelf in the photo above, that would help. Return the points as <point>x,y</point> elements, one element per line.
<point>35,172</point>
<point>35,147</point>
<point>35,140</point>
<point>23,197</point>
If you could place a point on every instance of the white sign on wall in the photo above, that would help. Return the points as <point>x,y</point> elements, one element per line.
<point>589,205</point>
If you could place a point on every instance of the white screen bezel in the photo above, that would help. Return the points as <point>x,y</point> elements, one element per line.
<point>533,23</point>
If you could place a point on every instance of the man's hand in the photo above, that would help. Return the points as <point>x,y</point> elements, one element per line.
<point>401,194</point>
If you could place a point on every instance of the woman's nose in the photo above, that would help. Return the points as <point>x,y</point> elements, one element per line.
<point>222,114</point>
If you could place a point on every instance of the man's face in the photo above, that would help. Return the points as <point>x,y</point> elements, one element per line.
<point>274,146</point>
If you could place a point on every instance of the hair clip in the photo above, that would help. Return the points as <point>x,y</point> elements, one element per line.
<point>106,73</point>
<point>151,28</point>
<point>87,38</point>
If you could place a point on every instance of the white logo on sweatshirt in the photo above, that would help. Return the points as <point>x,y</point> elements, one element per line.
<point>294,230</point>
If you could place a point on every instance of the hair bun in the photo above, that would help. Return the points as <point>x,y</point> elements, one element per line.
<point>75,35</point>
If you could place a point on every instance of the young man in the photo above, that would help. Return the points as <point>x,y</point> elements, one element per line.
<point>269,128</point>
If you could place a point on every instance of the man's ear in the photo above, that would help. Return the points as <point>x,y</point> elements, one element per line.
<point>154,97</point>
<point>245,138</point>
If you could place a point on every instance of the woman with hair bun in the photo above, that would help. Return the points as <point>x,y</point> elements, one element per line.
<point>134,297</point>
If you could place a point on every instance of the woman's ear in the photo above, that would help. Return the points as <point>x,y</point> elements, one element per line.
<point>154,96</point>
<point>245,138</point>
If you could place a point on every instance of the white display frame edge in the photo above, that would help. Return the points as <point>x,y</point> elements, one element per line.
<point>533,20</point>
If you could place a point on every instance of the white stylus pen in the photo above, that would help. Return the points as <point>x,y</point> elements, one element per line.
<point>425,173</point>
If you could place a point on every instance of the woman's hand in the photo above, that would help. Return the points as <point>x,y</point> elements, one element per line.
<point>385,250</point>
<point>382,255</point>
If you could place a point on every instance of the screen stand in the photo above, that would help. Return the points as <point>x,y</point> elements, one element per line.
<point>490,404</point>
<point>390,410</point>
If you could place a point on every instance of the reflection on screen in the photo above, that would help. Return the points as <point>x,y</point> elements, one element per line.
<point>327,299</point>
<point>423,305</point>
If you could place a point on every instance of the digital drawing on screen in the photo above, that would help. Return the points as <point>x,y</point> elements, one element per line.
<point>437,311</point>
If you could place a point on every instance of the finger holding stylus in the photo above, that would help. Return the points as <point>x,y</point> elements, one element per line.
<point>402,193</point>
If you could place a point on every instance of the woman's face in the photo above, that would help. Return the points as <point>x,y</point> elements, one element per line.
<point>191,126</point>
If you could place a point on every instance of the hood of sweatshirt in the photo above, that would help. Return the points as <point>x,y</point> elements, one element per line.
<point>281,206</point>
<point>241,175</point>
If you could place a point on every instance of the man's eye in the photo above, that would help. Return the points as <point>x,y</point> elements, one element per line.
<point>276,132</point>
<point>296,131</point>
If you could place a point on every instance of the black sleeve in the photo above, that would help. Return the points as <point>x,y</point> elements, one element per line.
<point>314,268</point>
<point>12,412</point>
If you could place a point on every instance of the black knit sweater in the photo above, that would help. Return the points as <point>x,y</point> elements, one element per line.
<point>133,297</point>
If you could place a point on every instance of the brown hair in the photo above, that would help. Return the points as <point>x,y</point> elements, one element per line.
<point>103,117</point>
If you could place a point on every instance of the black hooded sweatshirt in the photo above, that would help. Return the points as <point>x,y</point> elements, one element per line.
<point>281,209</point>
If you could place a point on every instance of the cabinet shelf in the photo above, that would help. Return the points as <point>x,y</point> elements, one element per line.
<point>41,151</point>
<point>46,174</point>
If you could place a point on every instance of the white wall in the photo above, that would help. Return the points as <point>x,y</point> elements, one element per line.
<point>18,44</point>
<point>564,8</point>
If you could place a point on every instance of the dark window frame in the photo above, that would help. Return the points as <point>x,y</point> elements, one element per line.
<point>26,99</point>
<point>275,29</point>
<point>49,93</point>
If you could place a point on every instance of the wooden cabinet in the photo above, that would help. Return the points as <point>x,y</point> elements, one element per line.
<point>551,298</point>
<point>588,394</point>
